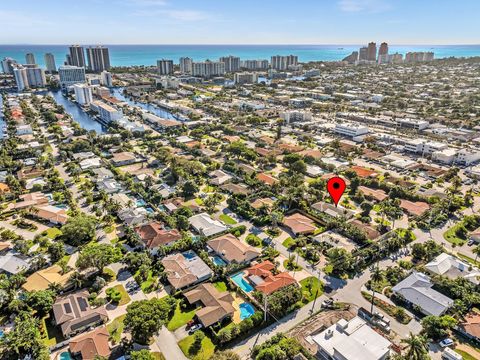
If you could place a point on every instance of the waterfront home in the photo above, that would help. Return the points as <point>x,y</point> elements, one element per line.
<point>232,250</point>
<point>185,269</point>
<point>264,279</point>
<point>417,289</point>
<point>73,313</point>
<point>205,225</point>
<point>153,235</point>
<point>217,305</point>
<point>352,340</point>
<point>299,224</point>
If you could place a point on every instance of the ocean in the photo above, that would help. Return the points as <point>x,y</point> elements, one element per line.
<point>126,55</point>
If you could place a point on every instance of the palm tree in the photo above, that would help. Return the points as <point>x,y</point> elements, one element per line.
<point>416,347</point>
<point>77,280</point>
<point>476,251</point>
<point>376,277</point>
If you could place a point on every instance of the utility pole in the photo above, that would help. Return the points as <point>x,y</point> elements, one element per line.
<point>316,293</point>
<point>265,308</point>
<point>295,266</point>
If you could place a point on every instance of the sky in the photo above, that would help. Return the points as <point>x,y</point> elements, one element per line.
<point>398,22</point>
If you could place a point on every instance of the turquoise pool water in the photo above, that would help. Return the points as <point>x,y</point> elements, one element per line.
<point>217,260</point>
<point>65,356</point>
<point>246,310</point>
<point>241,282</point>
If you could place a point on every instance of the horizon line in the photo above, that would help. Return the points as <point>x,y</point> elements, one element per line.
<point>234,44</point>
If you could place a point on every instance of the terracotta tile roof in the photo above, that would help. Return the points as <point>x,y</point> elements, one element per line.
<point>232,249</point>
<point>154,235</point>
<point>4,188</point>
<point>290,148</point>
<point>471,325</point>
<point>414,208</point>
<point>369,231</point>
<point>91,344</point>
<point>363,172</point>
<point>271,283</point>
<point>316,154</point>
<point>330,175</point>
<point>51,213</point>
<point>299,224</point>
<point>182,272</point>
<point>217,305</point>
<point>267,179</point>
<point>232,138</point>
<point>258,203</point>
<point>377,194</point>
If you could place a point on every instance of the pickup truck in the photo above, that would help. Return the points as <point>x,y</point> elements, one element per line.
<point>376,319</point>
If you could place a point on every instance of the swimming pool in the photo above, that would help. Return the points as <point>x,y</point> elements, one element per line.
<point>65,356</point>
<point>140,203</point>
<point>241,282</point>
<point>217,260</point>
<point>246,310</point>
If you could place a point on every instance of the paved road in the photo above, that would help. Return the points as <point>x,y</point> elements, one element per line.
<point>167,343</point>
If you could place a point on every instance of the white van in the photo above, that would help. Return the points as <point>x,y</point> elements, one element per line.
<point>449,354</point>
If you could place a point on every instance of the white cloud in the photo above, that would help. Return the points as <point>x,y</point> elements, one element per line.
<point>364,5</point>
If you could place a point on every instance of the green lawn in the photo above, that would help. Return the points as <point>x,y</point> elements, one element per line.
<point>147,285</point>
<point>125,298</point>
<point>115,328</point>
<point>199,201</point>
<point>310,286</point>
<point>468,259</point>
<point>158,356</point>
<point>451,236</point>
<point>180,318</point>
<point>288,242</point>
<point>465,355</point>
<point>220,286</point>
<point>51,334</point>
<point>53,232</point>
<point>206,351</point>
<point>227,219</point>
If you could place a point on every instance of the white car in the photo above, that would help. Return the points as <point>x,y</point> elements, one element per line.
<point>446,342</point>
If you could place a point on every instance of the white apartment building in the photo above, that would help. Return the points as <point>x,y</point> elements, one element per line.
<point>245,78</point>
<point>186,65</point>
<point>50,62</point>
<point>282,63</point>
<point>293,116</point>
<point>208,69</point>
<point>165,67</point>
<point>21,80</point>
<point>351,130</point>
<point>232,63</point>
<point>83,94</point>
<point>106,78</point>
<point>29,76</point>
<point>70,75</point>
<point>255,64</point>
<point>168,82</point>
<point>107,113</point>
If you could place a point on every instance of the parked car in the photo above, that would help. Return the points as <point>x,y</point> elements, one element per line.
<point>446,342</point>
<point>470,242</point>
<point>326,304</point>
<point>449,354</point>
<point>194,328</point>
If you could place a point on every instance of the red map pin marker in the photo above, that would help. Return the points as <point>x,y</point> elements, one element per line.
<point>336,187</point>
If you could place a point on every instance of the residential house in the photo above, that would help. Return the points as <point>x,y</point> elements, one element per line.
<point>154,235</point>
<point>262,276</point>
<point>53,214</point>
<point>417,290</point>
<point>91,345</point>
<point>451,267</point>
<point>205,225</point>
<point>219,177</point>
<point>133,217</point>
<point>42,279</point>
<point>102,174</point>
<point>259,203</point>
<point>124,158</point>
<point>235,188</point>
<point>185,269</point>
<point>217,305</point>
<point>375,194</point>
<point>110,186</point>
<point>91,163</point>
<point>415,208</point>
<point>31,199</point>
<point>232,250</point>
<point>266,179</point>
<point>332,210</point>
<point>352,340</point>
<point>73,313</point>
<point>470,326</point>
<point>299,224</point>
<point>12,264</point>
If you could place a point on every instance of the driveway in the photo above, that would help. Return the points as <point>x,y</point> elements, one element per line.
<point>167,343</point>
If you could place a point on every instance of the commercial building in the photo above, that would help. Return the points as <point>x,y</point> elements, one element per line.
<point>232,63</point>
<point>282,63</point>
<point>186,65</point>
<point>352,340</point>
<point>413,123</point>
<point>383,50</point>
<point>245,78</point>
<point>98,58</point>
<point>50,62</point>
<point>106,79</point>
<point>294,115</point>
<point>30,59</point>
<point>165,67</point>
<point>351,130</point>
<point>168,82</point>
<point>424,147</point>
<point>255,64</point>
<point>83,94</point>
<point>76,56</point>
<point>208,69</point>
<point>372,51</point>
<point>70,75</point>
